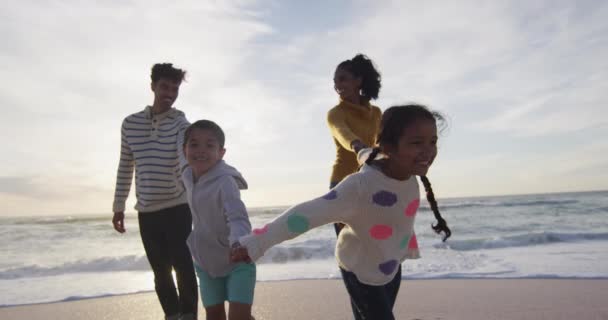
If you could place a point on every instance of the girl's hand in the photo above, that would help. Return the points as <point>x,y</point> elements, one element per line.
<point>239,254</point>
<point>363,155</point>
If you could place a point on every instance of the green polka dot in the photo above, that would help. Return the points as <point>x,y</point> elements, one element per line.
<point>404,242</point>
<point>297,223</point>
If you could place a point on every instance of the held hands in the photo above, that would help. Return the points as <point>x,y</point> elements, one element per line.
<point>239,253</point>
<point>363,155</point>
<point>357,145</point>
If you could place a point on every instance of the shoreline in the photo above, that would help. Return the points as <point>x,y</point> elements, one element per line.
<point>418,299</point>
<point>407,280</point>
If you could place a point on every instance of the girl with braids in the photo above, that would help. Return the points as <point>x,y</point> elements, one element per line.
<point>354,122</point>
<point>377,205</point>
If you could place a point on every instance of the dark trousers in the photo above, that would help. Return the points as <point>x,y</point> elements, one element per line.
<point>372,302</point>
<point>164,235</point>
<point>369,302</point>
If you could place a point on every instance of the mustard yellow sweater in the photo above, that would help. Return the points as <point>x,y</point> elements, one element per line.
<point>349,122</point>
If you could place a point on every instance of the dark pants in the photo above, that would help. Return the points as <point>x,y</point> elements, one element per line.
<point>369,302</point>
<point>372,302</point>
<point>164,235</point>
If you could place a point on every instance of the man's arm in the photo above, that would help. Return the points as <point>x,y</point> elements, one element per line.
<point>124,177</point>
<point>183,125</point>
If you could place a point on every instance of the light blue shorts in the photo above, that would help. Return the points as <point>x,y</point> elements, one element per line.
<point>237,286</point>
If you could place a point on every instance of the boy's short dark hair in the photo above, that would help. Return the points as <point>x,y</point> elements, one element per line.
<point>206,125</point>
<point>167,71</point>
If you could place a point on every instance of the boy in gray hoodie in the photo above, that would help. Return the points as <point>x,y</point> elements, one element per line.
<point>219,218</point>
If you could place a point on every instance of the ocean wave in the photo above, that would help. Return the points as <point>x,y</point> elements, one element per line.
<point>494,204</point>
<point>307,250</point>
<point>61,220</point>
<point>105,264</point>
<point>523,240</point>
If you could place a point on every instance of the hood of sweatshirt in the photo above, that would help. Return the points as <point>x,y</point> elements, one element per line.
<point>221,168</point>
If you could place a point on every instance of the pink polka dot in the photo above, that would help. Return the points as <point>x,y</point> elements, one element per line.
<point>381,231</point>
<point>260,230</point>
<point>411,209</point>
<point>413,243</point>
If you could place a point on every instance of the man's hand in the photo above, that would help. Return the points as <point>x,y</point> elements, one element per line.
<point>119,221</point>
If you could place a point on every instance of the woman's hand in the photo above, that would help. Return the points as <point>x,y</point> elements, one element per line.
<point>357,145</point>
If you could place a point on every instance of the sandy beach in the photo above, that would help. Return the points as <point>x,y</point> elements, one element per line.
<point>327,299</point>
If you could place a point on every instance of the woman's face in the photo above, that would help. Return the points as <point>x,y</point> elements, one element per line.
<point>347,85</point>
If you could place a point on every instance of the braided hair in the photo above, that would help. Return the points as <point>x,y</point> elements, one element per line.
<point>394,120</point>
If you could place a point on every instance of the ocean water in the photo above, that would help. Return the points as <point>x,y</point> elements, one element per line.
<point>562,235</point>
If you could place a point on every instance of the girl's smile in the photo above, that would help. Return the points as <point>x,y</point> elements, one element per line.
<point>415,150</point>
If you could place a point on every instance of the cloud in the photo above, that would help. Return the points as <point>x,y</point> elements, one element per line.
<point>515,69</point>
<point>507,74</point>
<point>48,188</point>
<point>575,168</point>
<point>19,186</point>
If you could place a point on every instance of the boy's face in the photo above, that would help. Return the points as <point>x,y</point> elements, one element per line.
<point>202,151</point>
<point>165,92</point>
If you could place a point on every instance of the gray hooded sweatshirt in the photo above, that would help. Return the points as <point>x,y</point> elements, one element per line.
<point>219,216</point>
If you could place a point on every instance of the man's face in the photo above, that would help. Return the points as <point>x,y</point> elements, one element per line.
<point>165,92</point>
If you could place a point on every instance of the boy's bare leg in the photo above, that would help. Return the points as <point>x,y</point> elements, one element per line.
<point>239,311</point>
<point>216,312</point>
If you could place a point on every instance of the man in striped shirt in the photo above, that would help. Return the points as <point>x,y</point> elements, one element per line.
<point>151,146</point>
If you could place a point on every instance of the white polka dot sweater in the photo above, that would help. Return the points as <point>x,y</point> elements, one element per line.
<point>378,213</point>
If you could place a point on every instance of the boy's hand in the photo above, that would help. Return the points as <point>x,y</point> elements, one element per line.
<point>239,254</point>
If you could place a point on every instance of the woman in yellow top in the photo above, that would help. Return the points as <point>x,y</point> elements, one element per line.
<point>354,123</point>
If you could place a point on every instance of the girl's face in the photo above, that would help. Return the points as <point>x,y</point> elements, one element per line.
<point>347,85</point>
<point>415,150</point>
<point>202,151</point>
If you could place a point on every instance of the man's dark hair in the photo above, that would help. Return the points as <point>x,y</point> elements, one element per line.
<point>167,71</point>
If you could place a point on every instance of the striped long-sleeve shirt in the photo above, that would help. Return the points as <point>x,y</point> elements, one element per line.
<point>151,146</point>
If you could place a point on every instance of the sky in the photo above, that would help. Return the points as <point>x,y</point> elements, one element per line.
<point>524,85</point>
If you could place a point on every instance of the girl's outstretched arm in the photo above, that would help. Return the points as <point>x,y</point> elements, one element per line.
<point>339,205</point>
